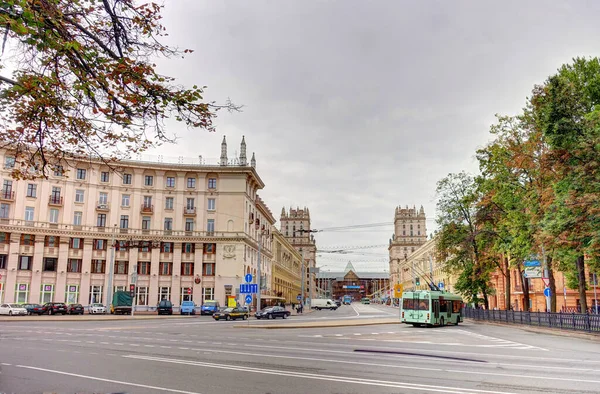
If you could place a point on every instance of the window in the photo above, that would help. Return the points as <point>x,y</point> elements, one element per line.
<point>27,239</point>
<point>95,294</point>
<point>125,200</point>
<point>9,162</point>
<point>164,293</point>
<point>55,195</point>
<point>31,190</point>
<point>76,243</point>
<point>103,198</point>
<point>25,263</point>
<point>187,269</point>
<point>74,265</point>
<point>211,204</point>
<point>189,247</point>
<point>4,238</point>
<point>51,241</point>
<point>77,218</point>
<point>191,183</point>
<point>7,188</point>
<point>21,293</point>
<point>166,247</point>
<point>50,264</point>
<point>146,246</point>
<point>141,295</point>
<point>212,183</point>
<point>81,173</point>
<point>29,213</point>
<point>121,267</point>
<point>166,268</point>
<point>4,211</point>
<point>101,221</point>
<point>169,203</point>
<point>210,226</point>
<point>189,203</point>
<point>127,179</point>
<point>3,261</point>
<point>170,181</point>
<point>59,170</point>
<point>99,244</point>
<point>46,293</point>
<point>189,224</point>
<point>168,224</point>
<point>72,294</point>
<point>104,177</point>
<point>146,223</point>
<point>124,221</point>
<point>147,202</point>
<point>98,266</point>
<point>143,268</point>
<point>209,248</point>
<point>53,215</point>
<point>208,269</point>
<point>186,294</point>
<point>121,245</point>
<point>148,180</point>
<point>80,196</point>
<point>208,294</point>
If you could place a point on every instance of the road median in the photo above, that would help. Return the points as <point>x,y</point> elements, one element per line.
<point>322,324</point>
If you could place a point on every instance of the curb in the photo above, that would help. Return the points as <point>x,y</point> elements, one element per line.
<point>316,325</point>
<point>105,318</point>
<point>536,329</point>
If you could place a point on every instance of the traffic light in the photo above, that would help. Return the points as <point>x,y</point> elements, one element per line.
<point>418,281</point>
<point>132,290</point>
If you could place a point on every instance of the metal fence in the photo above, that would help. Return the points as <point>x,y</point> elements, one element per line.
<point>564,321</point>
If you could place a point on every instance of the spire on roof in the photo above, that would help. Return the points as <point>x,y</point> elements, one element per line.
<point>243,159</point>
<point>223,161</point>
<point>349,267</point>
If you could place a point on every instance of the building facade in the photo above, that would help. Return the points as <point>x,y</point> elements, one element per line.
<point>295,226</point>
<point>354,284</point>
<point>286,269</point>
<point>183,231</point>
<point>410,233</point>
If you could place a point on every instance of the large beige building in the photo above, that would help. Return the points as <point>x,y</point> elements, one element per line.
<point>410,233</point>
<point>286,269</point>
<point>187,231</point>
<point>295,226</point>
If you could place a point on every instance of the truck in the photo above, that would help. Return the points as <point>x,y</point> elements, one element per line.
<point>121,303</point>
<point>323,303</point>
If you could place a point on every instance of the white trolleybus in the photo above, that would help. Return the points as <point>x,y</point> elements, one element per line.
<point>430,308</point>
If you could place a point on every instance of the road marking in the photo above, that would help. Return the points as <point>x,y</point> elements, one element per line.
<point>104,343</point>
<point>107,380</point>
<point>5,364</point>
<point>332,378</point>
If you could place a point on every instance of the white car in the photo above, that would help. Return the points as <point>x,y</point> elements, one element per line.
<point>97,308</point>
<point>12,309</point>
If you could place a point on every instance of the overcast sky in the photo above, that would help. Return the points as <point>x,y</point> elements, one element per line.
<point>355,107</point>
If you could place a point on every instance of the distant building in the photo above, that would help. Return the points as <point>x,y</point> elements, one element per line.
<point>410,232</point>
<point>286,269</point>
<point>351,282</point>
<point>295,226</point>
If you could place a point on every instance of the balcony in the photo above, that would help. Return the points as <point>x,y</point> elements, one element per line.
<point>102,207</point>
<point>189,211</point>
<point>7,195</point>
<point>147,208</point>
<point>55,200</point>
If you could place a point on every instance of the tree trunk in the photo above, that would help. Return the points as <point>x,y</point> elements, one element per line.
<point>552,285</point>
<point>486,301</point>
<point>581,283</point>
<point>525,285</point>
<point>506,270</point>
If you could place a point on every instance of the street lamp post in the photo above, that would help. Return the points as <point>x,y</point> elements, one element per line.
<point>111,270</point>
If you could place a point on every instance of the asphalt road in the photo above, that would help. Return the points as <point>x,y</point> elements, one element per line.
<point>198,355</point>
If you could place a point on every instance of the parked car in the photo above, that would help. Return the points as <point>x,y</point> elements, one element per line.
<point>33,309</point>
<point>95,309</point>
<point>53,308</point>
<point>75,309</point>
<point>272,312</point>
<point>165,307</point>
<point>231,314</point>
<point>338,302</point>
<point>210,307</point>
<point>188,308</point>
<point>365,300</point>
<point>12,310</point>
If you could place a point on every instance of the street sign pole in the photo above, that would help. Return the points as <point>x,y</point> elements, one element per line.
<point>258,273</point>
<point>546,275</point>
<point>595,295</point>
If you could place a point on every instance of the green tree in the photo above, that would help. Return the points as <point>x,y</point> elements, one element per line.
<point>85,82</point>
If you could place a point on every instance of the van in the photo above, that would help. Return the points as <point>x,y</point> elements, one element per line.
<point>323,303</point>
<point>209,307</point>
<point>188,308</point>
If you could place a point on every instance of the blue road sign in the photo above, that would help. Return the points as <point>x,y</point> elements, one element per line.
<point>299,298</point>
<point>248,299</point>
<point>547,292</point>
<point>248,288</point>
<point>441,285</point>
<point>532,263</point>
<point>248,278</point>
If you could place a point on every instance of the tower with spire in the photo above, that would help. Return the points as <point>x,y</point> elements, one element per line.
<point>253,161</point>
<point>223,160</point>
<point>243,159</point>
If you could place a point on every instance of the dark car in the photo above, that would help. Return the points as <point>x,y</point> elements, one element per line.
<point>75,309</point>
<point>272,312</point>
<point>52,308</point>
<point>231,314</point>
<point>338,302</point>
<point>165,307</point>
<point>33,309</point>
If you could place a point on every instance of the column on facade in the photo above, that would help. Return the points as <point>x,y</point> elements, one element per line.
<point>198,260</point>
<point>37,270</point>
<point>61,270</point>
<point>153,291</point>
<point>10,283</point>
<point>86,269</point>
<point>176,282</point>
